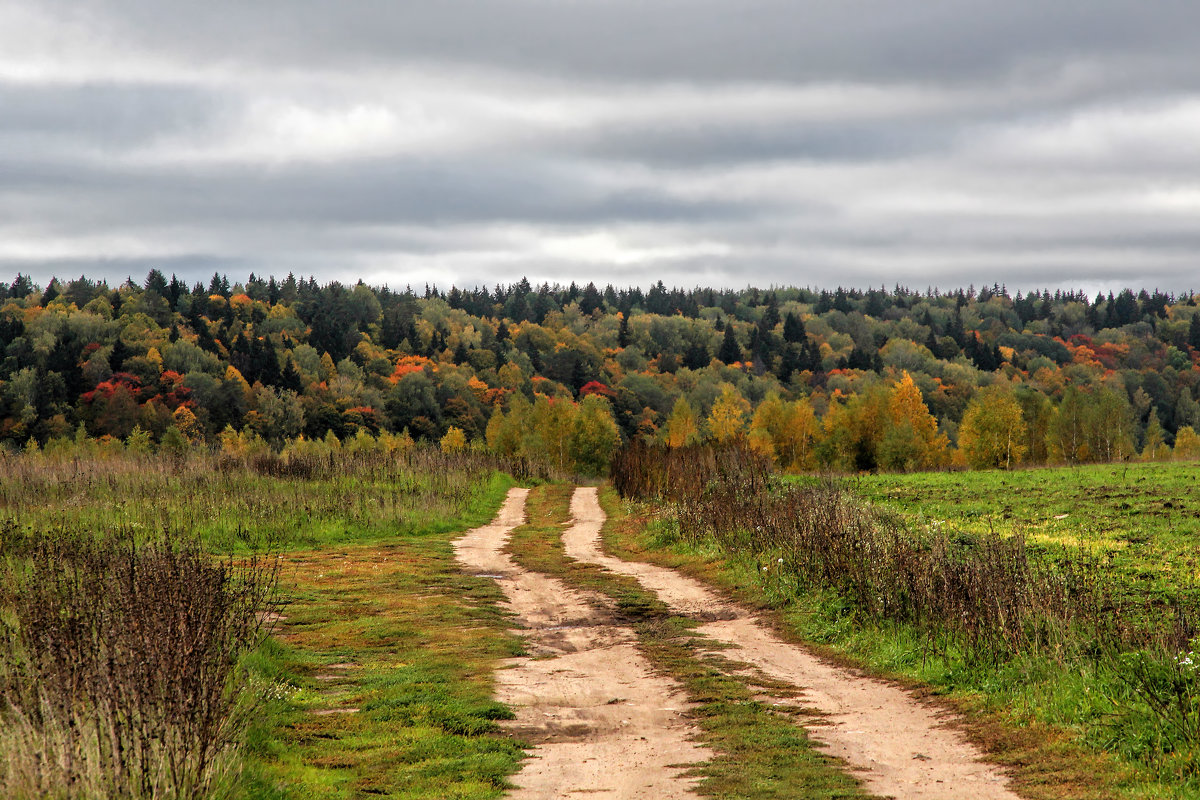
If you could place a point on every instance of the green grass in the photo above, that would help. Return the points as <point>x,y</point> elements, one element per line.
<point>1144,518</point>
<point>397,632</point>
<point>358,499</point>
<point>760,751</point>
<point>378,616</point>
<point>1064,725</point>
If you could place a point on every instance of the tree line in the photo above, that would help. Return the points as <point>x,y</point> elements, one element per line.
<point>848,379</point>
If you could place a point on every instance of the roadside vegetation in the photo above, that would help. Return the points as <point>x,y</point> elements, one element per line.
<point>138,592</point>
<point>1044,636</point>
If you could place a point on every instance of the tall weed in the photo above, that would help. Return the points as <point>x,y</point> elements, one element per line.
<point>118,664</point>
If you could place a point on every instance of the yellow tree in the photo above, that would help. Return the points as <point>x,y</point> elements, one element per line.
<point>727,420</point>
<point>766,424</point>
<point>795,438</point>
<point>186,423</point>
<point>784,431</point>
<point>838,448</point>
<point>992,433</point>
<point>548,433</point>
<point>911,439</point>
<point>1187,444</point>
<point>455,441</point>
<point>1154,449</point>
<point>854,430</point>
<point>506,429</point>
<point>682,428</point>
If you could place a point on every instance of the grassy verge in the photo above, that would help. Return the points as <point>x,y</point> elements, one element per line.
<point>1048,720</point>
<point>346,498</point>
<point>380,676</point>
<point>378,681</point>
<point>760,751</point>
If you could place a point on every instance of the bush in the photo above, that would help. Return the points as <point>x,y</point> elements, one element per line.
<point>118,664</point>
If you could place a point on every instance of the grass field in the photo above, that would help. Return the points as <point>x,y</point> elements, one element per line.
<point>1143,518</point>
<point>1069,713</point>
<point>377,681</point>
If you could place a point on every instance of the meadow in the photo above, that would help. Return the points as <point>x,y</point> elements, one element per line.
<point>371,623</point>
<point>1067,641</point>
<point>1142,518</point>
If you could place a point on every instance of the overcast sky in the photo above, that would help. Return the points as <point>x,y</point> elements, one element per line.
<point>706,142</point>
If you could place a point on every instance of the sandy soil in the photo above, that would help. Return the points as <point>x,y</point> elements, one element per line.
<point>604,725</point>
<point>899,746</point>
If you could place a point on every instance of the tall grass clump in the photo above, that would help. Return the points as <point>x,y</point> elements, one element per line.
<point>308,494</point>
<point>980,599</point>
<point>119,664</point>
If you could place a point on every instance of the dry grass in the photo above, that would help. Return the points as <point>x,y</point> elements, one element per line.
<point>118,664</point>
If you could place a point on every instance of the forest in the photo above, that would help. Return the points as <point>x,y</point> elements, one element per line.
<point>843,380</point>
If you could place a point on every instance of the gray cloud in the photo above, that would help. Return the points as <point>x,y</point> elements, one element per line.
<point>709,141</point>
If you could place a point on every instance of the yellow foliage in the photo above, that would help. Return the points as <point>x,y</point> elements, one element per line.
<point>187,423</point>
<point>477,387</point>
<point>789,428</point>
<point>455,441</point>
<point>727,420</point>
<point>682,428</point>
<point>1187,444</point>
<point>911,440</point>
<point>992,433</point>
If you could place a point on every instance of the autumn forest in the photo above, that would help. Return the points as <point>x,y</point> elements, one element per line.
<point>846,380</point>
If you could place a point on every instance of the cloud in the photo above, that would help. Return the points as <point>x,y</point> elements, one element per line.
<point>709,141</point>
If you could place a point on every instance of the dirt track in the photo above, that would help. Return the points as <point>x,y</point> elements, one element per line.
<point>605,726</point>
<point>899,746</point>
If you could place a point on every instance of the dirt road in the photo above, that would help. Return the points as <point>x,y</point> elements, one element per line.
<point>605,726</point>
<point>899,746</point>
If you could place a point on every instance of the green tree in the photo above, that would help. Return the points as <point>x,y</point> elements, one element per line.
<point>1066,433</point>
<point>594,436</point>
<point>1109,420</point>
<point>730,351</point>
<point>1154,448</point>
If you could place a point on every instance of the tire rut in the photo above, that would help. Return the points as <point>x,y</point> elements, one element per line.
<point>602,723</point>
<point>899,746</point>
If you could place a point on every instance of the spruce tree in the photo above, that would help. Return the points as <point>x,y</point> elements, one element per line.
<point>793,329</point>
<point>730,350</point>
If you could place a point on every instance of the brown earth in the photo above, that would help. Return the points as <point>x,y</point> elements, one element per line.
<point>603,724</point>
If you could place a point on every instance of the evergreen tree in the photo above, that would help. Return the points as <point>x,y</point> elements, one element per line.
<point>793,329</point>
<point>730,351</point>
